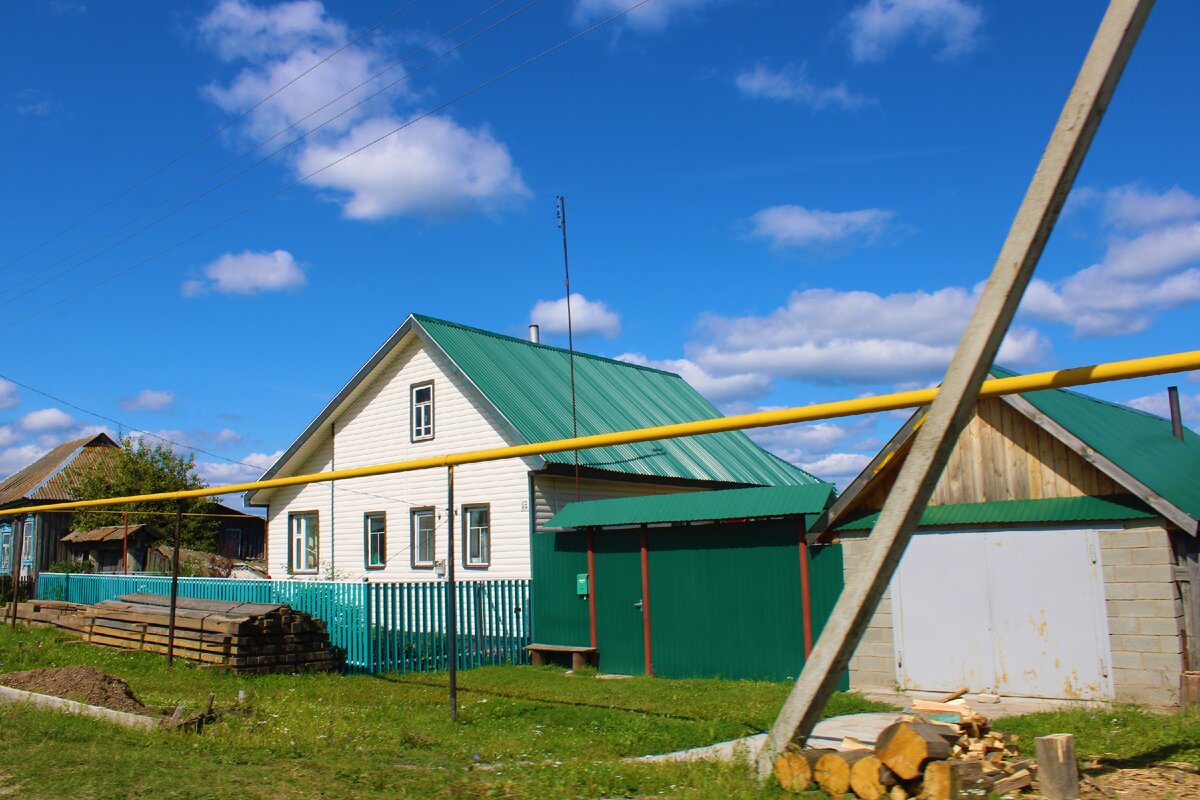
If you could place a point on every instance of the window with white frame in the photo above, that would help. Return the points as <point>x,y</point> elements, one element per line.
<point>424,538</point>
<point>304,541</point>
<point>5,547</point>
<point>422,412</point>
<point>477,539</point>
<point>375,535</point>
<point>27,541</point>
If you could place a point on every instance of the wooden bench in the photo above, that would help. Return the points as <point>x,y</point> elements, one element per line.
<point>580,656</point>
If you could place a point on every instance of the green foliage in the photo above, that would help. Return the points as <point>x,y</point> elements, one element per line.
<point>84,565</point>
<point>142,468</point>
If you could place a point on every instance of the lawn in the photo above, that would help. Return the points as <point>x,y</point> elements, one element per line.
<point>522,732</point>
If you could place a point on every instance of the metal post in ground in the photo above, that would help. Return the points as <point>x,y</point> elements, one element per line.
<point>17,546</point>
<point>451,605</point>
<point>174,586</point>
<point>951,408</point>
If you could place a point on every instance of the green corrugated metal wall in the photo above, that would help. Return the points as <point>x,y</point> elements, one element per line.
<point>724,599</point>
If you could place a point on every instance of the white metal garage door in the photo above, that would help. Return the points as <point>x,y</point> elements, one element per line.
<point>1019,613</point>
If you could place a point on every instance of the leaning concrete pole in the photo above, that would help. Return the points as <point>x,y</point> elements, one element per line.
<point>951,409</point>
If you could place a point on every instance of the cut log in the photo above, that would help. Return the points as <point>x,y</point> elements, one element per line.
<point>794,768</point>
<point>898,793</point>
<point>905,747</point>
<point>955,780</point>
<point>832,770</point>
<point>1020,779</point>
<point>1058,774</point>
<point>870,779</point>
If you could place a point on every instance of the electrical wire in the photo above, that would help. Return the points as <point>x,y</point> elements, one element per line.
<point>206,139</point>
<point>262,201</point>
<point>253,149</point>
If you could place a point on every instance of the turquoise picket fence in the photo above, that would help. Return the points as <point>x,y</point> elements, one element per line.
<point>381,627</point>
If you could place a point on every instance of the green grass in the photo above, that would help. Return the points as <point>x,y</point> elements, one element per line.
<point>1122,736</point>
<point>522,732</point>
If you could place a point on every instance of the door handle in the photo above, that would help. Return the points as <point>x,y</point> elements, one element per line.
<point>638,605</point>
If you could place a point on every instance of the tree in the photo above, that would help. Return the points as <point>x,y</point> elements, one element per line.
<point>140,468</point>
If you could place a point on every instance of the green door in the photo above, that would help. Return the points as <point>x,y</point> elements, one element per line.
<point>619,602</point>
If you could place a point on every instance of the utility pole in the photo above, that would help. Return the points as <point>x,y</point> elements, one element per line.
<point>562,224</point>
<point>451,605</point>
<point>174,586</point>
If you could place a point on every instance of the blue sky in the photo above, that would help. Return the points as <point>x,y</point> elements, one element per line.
<point>787,202</point>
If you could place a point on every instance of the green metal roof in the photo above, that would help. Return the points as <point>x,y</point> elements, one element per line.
<point>1139,443</point>
<point>1006,512</point>
<point>758,502</point>
<point>530,385</point>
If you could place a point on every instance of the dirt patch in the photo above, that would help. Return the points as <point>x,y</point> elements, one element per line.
<point>83,684</point>
<point>1164,782</point>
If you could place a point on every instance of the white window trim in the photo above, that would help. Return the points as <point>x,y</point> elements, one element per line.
<point>466,536</point>
<point>297,541</point>
<point>367,518</point>
<point>413,406</point>
<point>415,542</point>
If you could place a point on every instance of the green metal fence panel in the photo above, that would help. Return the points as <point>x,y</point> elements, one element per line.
<point>560,614</point>
<point>380,627</point>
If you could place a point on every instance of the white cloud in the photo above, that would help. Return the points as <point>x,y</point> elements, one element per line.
<point>801,442</point>
<point>651,17</point>
<point>877,26</point>
<point>831,336</point>
<point>717,389</point>
<point>1151,265</point>
<point>253,465</point>
<point>837,468</point>
<point>792,84</point>
<point>796,226</point>
<point>8,436</point>
<point>148,400</point>
<point>436,167</point>
<point>46,419</point>
<point>13,459</point>
<point>1189,405</point>
<point>249,273</point>
<point>9,396</point>
<point>588,317</point>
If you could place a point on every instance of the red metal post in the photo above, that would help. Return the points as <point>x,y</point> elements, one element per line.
<point>591,566</point>
<point>646,599</point>
<point>125,544</point>
<point>805,595</point>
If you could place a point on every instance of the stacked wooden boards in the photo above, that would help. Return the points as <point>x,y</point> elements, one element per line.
<point>916,757</point>
<point>245,637</point>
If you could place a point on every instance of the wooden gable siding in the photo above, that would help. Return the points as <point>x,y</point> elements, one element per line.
<point>1000,455</point>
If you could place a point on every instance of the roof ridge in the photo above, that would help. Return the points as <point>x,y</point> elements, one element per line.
<point>578,354</point>
<point>1082,396</point>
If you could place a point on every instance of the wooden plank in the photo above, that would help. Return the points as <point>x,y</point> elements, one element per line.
<point>976,351</point>
<point>1058,772</point>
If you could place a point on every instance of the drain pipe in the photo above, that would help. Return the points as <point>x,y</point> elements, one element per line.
<point>1176,415</point>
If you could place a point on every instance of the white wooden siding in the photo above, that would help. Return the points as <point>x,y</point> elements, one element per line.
<point>373,428</point>
<point>552,492</point>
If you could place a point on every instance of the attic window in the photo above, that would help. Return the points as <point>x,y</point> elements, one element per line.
<point>422,412</point>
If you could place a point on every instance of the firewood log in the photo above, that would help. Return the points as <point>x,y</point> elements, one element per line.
<point>832,770</point>
<point>870,779</point>
<point>794,768</point>
<point>955,780</point>
<point>904,747</point>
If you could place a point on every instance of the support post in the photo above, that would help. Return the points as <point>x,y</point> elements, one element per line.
<point>451,605</point>
<point>805,596</point>
<point>125,544</point>
<point>174,586</point>
<point>1057,771</point>
<point>951,408</point>
<point>591,599</point>
<point>17,546</point>
<point>646,638</point>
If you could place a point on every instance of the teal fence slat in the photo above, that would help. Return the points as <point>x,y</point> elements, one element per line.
<point>381,627</point>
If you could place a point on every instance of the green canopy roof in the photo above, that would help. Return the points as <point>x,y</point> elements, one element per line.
<point>1009,512</point>
<point>1139,443</point>
<point>530,385</point>
<point>727,504</point>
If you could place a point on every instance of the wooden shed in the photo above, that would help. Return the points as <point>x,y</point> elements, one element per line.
<point>701,584</point>
<point>1057,558</point>
<point>113,548</point>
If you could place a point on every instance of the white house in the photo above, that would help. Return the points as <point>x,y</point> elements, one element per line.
<point>437,387</point>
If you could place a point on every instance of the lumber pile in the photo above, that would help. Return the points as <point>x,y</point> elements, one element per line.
<point>919,756</point>
<point>245,637</point>
<point>56,613</point>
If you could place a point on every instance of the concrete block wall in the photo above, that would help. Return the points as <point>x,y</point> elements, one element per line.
<point>1145,614</point>
<point>873,665</point>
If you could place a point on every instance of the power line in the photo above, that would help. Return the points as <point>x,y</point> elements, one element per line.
<point>224,220</point>
<point>206,139</point>
<point>262,160</point>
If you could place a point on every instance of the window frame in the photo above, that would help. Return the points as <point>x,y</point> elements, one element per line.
<point>368,517</point>
<point>413,436</point>
<point>6,542</point>
<point>415,544</point>
<point>293,517</point>
<point>466,536</point>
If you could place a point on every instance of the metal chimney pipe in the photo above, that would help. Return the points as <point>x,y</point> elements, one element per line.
<point>1176,415</point>
<point>535,335</point>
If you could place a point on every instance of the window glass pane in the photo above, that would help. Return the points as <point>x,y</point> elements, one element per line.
<point>478,546</point>
<point>422,412</point>
<point>376,540</point>
<point>423,394</point>
<point>305,542</point>
<point>423,537</point>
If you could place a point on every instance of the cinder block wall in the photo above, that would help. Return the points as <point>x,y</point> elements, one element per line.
<point>874,663</point>
<point>1145,614</point>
